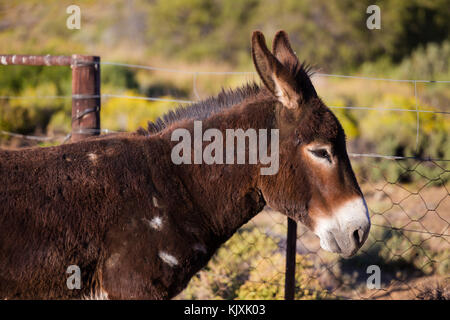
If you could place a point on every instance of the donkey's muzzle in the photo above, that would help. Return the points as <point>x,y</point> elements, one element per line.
<point>346,229</point>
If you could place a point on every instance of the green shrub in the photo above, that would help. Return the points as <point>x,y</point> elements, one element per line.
<point>249,266</point>
<point>30,114</point>
<point>429,62</point>
<point>267,281</point>
<point>119,77</point>
<point>394,133</point>
<point>122,114</point>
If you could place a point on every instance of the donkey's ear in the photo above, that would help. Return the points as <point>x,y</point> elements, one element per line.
<point>282,50</point>
<point>275,76</point>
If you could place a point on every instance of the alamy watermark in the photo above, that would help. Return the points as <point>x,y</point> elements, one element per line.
<point>235,147</point>
<point>74,20</point>
<point>74,280</point>
<point>374,20</point>
<point>374,280</point>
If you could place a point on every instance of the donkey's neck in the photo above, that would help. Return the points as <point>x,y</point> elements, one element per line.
<point>226,196</point>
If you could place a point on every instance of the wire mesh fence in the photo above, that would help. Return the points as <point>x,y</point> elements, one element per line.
<point>409,204</point>
<point>408,244</point>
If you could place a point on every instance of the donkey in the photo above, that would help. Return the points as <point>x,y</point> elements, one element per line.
<point>139,226</point>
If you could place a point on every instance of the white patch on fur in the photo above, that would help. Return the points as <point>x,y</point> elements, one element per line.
<point>156,223</point>
<point>112,260</point>
<point>336,232</point>
<point>168,258</point>
<point>92,157</point>
<point>99,295</point>
<point>200,247</point>
<point>155,203</point>
<point>321,161</point>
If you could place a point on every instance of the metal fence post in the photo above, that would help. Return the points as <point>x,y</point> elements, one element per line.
<point>291,248</point>
<point>85,96</point>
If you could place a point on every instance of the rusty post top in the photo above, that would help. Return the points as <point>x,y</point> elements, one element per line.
<point>44,60</point>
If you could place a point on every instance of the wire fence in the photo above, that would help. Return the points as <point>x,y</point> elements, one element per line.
<point>409,241</point>
<point>195,75</point>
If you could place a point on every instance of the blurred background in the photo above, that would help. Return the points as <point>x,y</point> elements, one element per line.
<point>199,46</point>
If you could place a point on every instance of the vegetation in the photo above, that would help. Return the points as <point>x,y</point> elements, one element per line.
<point>395,133</point>
<point>332,34</point>
<point>400,253</point>
<point>250,266</point>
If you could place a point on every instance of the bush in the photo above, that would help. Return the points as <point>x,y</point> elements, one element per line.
<point>429,62</point>
<point>267,282</point>
<point>31,114</point>
<point>121,114</point>
<point>249,266</point>
<point>394,133</point>
<point>119,77</point>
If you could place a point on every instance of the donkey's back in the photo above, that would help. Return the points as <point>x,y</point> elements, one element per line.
<point>56,207</point>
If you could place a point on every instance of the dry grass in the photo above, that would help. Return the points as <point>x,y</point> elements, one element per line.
<point>434,291</point>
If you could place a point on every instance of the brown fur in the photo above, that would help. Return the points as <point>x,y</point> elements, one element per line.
<point>90,203</point>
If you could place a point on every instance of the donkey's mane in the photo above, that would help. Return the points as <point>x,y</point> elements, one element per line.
<point>224,100</point>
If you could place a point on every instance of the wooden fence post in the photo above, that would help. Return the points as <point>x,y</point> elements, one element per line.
<point>291,248</point>
<point>85,96</point>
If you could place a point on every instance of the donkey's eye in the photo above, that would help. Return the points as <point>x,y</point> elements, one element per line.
<point>321,153</point>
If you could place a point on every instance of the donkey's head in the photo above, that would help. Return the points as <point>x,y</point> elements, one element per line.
<point>315,183</point>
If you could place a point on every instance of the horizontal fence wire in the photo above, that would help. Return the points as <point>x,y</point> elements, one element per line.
<point>136,66</point>
<point>411,230</point>
<point>107,131</point>
<point>59,137</point>
<point>181,101</point>
<point>388,157</point>
<point>29,137</point>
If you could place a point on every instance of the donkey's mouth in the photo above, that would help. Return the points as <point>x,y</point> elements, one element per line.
<point>336,244</point>
<point>329,243</point>
<point>340,242</point>
<point>347,246</point>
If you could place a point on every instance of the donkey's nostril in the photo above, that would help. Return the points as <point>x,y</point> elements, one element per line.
<point>358,236</point>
